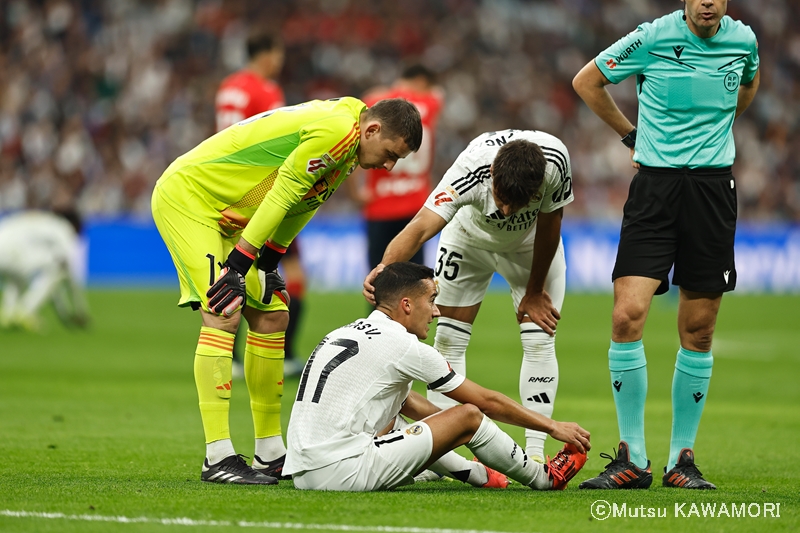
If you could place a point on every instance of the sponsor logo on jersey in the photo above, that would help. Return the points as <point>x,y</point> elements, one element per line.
<point>315,165</point>
<point>625,54</point>
<point>416,429</point>
<point>541,379</point>
<point>678,51</point>
<point>442,198</point>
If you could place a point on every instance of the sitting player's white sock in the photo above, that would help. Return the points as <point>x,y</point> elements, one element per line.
<point>218,450</point>
<point>497,450</point>
<point>270,448</point>
<point>538,380</point>
<point>454,466</point>
<point>452,338</point>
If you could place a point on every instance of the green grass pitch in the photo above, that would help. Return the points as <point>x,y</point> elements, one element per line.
<point>104,423</point>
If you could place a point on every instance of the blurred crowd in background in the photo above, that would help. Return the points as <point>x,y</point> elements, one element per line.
<point>97,97</point>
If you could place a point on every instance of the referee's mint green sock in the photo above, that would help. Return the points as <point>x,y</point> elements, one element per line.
<point>628,367</point>
<point>689,390</point>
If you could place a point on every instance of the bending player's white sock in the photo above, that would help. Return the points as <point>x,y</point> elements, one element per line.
<point>270,448</point>
<point>497,450</point>
<point>454,466</point>
<point>452,338</point>
<point>538,380</point>
<point>218,450</point>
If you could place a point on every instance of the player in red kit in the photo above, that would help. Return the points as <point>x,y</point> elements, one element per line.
<point>252,90</point>
<point>392,199</point>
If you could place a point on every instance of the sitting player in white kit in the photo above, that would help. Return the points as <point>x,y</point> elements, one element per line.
<point>346,433</point>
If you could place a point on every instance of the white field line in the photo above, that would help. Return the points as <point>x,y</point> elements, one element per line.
<point>183,521</point>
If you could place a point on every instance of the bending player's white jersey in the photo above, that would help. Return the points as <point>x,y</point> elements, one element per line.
<point>34,241</point>
<point>353,385</point>
<point>465,193</point>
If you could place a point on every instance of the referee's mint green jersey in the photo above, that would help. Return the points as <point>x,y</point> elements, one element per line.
<point>687,88</point>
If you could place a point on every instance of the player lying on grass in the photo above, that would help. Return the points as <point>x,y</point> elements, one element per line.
<point>345,432</point>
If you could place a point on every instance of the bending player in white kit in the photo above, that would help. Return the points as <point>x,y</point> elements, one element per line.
<point>345,432</point>
<point>500,206</point>
<point>39,256</point>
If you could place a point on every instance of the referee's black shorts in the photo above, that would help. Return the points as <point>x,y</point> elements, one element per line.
<point>682,217</point>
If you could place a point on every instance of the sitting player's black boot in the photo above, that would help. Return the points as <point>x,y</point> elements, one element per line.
<point>234,469</point>
<point>620,473</point>
<point>685,474</point>
<point>272,468</point>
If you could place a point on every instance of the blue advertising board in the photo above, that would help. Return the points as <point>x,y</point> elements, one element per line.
<point>130,252</point>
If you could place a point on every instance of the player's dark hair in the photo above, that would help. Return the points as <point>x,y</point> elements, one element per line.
<point>419,71</point>
<point>399,280</point>
<point>71,216</point>
<point>262,42</point>
<point>399,118</point>
<point>518,172</point>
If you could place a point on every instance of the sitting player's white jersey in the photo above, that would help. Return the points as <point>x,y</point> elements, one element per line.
<point>465,193</point>
<point>353,385</point>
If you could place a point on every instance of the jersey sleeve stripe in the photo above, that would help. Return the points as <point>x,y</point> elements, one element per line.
<point>344,146</point>
<point>557,158</point>
<point>442,381</point>
<point>474,177</point>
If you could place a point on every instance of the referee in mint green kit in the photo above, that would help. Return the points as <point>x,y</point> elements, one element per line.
<point>696,70</point>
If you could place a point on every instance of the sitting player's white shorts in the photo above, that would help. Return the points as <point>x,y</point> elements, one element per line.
<point>390,461</point>
<point>463,272</point>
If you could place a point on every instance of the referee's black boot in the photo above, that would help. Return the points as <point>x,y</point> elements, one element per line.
<point>620,473</point>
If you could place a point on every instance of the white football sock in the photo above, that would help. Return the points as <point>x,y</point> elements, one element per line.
<point>270,448</point>
<point>538,379</point>
<point>454,466</point>
<point>497,450</point>
<point>452,338</point>
<point>218,450</point>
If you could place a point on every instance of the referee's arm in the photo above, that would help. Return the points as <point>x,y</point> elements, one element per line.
<point>747,91</point>
<point>590,84</point>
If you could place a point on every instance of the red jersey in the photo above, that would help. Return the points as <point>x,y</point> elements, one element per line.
<point>244,94</point>
<point>400,193</point>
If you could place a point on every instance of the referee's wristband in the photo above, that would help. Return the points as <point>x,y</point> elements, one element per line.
<point>630,139</point>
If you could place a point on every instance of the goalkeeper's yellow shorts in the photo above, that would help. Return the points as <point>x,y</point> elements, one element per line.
<point>198,250</point>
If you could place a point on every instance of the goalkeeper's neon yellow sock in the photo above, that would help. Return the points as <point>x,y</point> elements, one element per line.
<point>263,371</point>
<point>212,375</point>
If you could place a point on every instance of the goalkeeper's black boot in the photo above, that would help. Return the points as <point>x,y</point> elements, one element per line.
<point>271,468</point>
<point>620,473</point>
<point>234,469</point>
<point>685,474</point>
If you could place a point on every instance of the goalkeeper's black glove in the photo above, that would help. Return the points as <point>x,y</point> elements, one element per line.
<point>227,294</point>
<point>273,283</point>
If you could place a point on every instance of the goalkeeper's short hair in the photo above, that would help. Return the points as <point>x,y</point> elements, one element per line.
<point>399,280</point>
<point>399,118</point>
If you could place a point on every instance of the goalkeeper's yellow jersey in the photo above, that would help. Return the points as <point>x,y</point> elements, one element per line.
<point>265,177</point>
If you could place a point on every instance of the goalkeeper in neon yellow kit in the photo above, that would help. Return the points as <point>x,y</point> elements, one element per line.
<point>239,198</point>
